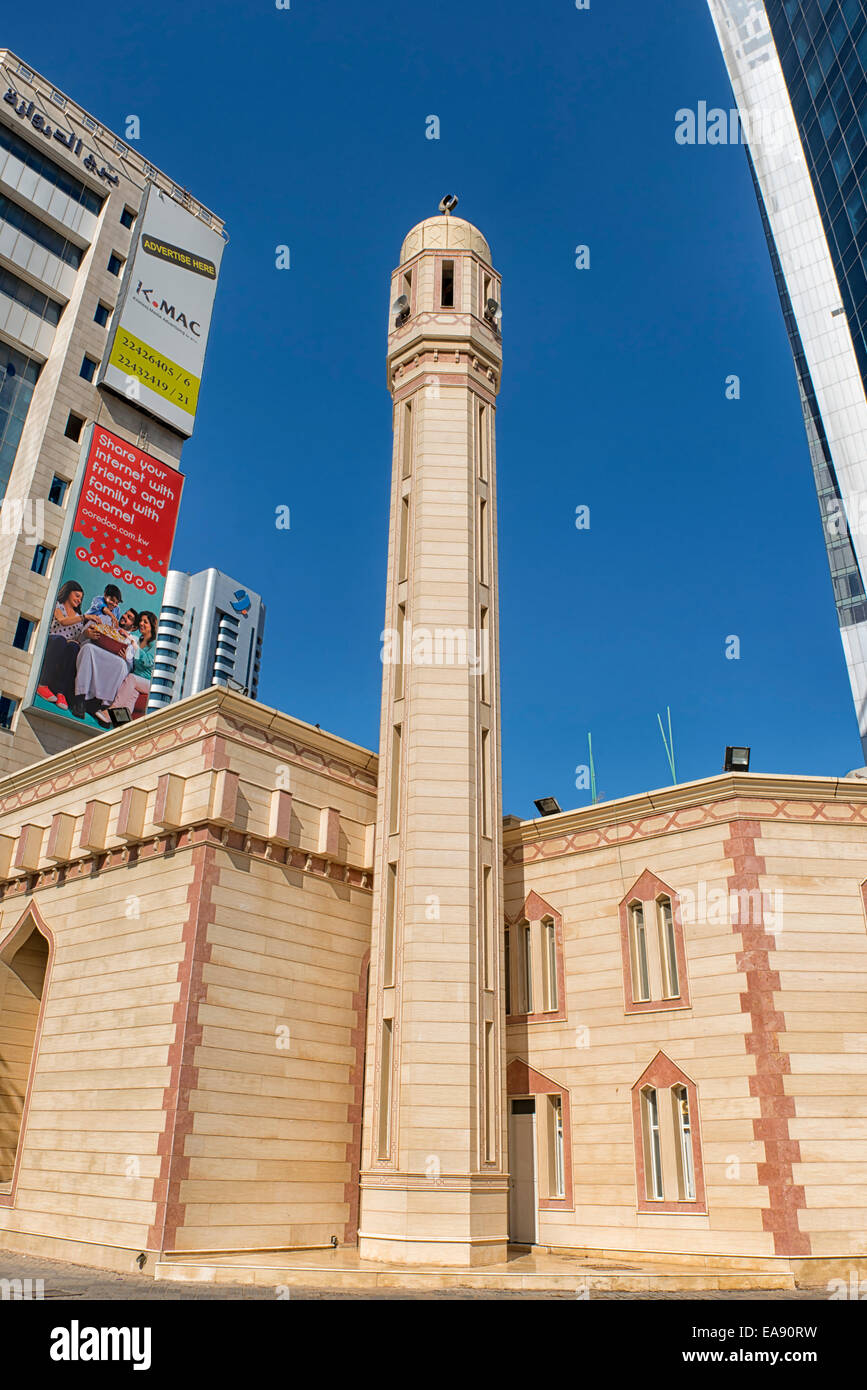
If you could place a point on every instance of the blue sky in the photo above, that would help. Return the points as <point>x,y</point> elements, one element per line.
<point>306,127</point>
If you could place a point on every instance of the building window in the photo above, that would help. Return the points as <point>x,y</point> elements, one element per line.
<point>127,217</point>
<point>7,711</point>
<point>652,1146</point>
<point>683,1127</point>
<point>57,491</point>
<point>557,1177</point>
<point>669,1170</point>
<point>47,309</point>
<point>46,168</point>
<point>18,376</point>
<point>88,368</point>
<point>447,286</point>
<point>525,967</point>
<point>23,633</point>
<point>653,947</point>
<point>41,559</point>
<point>73,427</point>
<point>101,314</point>
<point>534,963</point>
<point>384,1135</point>
<point>395,771</point>
<point>549,964</point>
<point>46,237</point>
<point>403,541</point>
<point>638,942</point>
<point>667,947</point>
<point>115,264</point>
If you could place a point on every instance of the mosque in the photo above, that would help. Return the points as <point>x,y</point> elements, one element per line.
<point>264,990</point>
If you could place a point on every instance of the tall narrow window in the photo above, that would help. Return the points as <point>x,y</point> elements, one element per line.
<point>490,1098</point>
<point>652,1148</point>
<point>394,807</point>
<point>555,1147</point>
<point>384,1137</point>
<point>484,657</point>
<point>549,955</point>
<point>403,545</point>
<point>407,439</point>
<point>486,782</point>
<point>487,943</point>
<point>683,1130</point>
<point>482,427</point>
<point>447,288</point>
<point>390,903</point>
<point>507,942</point>
<point>640,977</point>
<point>407,285</point>
<point>483,540</point>
<point>487,291</point>
<point>400,667</point>
<point>667,948</point>
<point>526,965</point>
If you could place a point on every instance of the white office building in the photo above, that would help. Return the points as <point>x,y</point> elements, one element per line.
<point>210,633</point>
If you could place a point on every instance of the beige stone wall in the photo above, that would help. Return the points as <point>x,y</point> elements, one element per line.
<point>774,1034</point>
<point>821,957</point>
<point>204,877</point>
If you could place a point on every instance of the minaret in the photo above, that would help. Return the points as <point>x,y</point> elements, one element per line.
<point>434,1167</point>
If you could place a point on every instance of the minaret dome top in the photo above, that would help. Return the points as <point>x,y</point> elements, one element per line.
<point>445,233</point>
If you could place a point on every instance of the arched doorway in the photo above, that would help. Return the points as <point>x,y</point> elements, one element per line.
<point>25,956</point>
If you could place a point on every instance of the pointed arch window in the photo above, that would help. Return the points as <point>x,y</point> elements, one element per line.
<point>26,954</point>
<point>653,947</point>
<point>669,1172</point>
<point>535,971</point>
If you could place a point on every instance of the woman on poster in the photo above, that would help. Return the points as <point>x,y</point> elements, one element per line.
<point>57,677</point>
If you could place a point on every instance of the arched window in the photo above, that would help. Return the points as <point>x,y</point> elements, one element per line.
<point>25,958</point>
<point>535,976</point>
<point>668,1164</point>
<point>653,946</point>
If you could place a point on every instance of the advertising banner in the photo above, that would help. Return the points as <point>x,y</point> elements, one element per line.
<point>97,659</point>
<point>161,323</point>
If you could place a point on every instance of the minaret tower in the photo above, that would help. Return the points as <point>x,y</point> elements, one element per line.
<point>434,1165</point>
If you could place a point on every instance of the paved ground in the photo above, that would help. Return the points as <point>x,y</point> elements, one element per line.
<point>76,1282</point>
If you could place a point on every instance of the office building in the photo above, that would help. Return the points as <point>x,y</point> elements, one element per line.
<point>799,75</point>
<point>75,202</point>
<point>210,632</point>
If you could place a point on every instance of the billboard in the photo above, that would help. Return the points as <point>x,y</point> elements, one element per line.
<point>97,658</point>
<point>161,323</point>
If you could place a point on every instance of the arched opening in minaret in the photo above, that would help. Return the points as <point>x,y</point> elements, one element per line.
<point>24,961</point>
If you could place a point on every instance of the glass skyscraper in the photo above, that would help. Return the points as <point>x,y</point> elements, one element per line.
<point>798,69</point>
